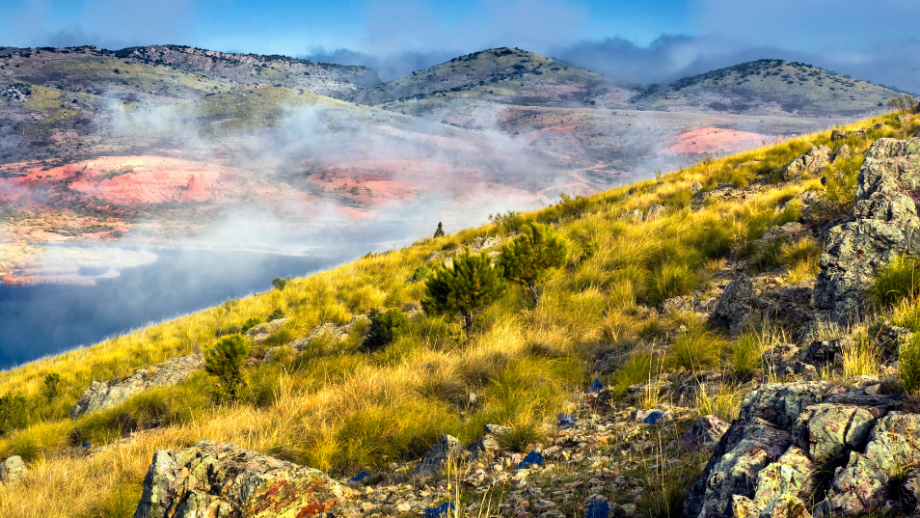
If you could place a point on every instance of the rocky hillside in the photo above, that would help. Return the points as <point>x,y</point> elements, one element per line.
<point>768,87</point>
<point>738,338</point>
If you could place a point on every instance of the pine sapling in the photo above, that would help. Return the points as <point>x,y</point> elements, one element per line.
<point>472,283</point>
<point>440,231</point>
<point>529,259</point>
<point>225,362</point>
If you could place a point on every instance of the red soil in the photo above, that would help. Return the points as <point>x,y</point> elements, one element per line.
<point>716,140</point>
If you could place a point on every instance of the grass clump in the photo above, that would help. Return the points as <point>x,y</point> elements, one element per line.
<point>909,365</point>
<point>745,355</point>
<point>637,369</point>
<point>696,350</point>
<point>898,280</point>
<point>671,280</point>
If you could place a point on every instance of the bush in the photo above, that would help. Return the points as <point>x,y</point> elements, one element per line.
<point>280,282</point>
<point>898,280</point>
<point>469,285</point>
<point>695,351</point>
<point>440,231</point>
<point>508,222</point>
<point>909,365</point>
<point>745,356</point>
<point>275,315</point>
<point>421,273</point>
<point>225,362</point>
<point>250,323</point>
<point>529,258</point>
<point>770,257</point>
<point>13,413</point>
<point>385,328</point>
<point>52,383</point>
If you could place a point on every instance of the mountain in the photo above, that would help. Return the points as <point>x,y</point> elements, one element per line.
<point>768,87</point>
<point>501,75</point>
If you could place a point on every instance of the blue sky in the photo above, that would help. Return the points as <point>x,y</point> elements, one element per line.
<point>648,41</point>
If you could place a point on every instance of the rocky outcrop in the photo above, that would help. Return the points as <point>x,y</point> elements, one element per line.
<point>705,432</point>
<point>777,458</point>
<point>735,306</point>
<point>885,224</point>
<point>448,449</point>
<point>11,469</point>
<point>723,192</point>
<point>809,163</point>
<point>102,395</point>
<point>327,331</point>
<point>261,332</point>
<point>223,480</point>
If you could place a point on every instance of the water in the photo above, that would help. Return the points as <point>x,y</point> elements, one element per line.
<point>41,320</point>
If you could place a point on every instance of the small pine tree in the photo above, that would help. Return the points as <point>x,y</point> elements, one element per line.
<point>469,285</point>
<point>225,362</point>
<point>440,231</point>
<point>528,259</point>
<point>51,385</point>
<point>385,327</point>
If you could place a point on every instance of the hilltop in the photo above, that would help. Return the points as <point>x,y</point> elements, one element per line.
<point>768,87</point>
<point>748,289</point>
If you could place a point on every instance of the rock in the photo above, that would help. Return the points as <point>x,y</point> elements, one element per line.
<point>447,448</point>
<point>825,352</point>
<point>723,192</point>
<point>654,212</point>
<point>843,153</point>
<point>635,215</point>
<point>327,331</point>
<point>809,163</point>
<point>885,225</point>
<point>705,432</point>
<point>792,231</point>
<point>261,332</point>
<point>779,355</point>
<point>220,479</point>
<point>696,187</point>
<point>11,469</point>
<point>827,430</point>
<point>107,394</point>
<point>484,243</point>
<point>806,199</point>
<point>793,474</point>
<point>786,506</point>
<point>839,135</point>
<point>734,308</point>
<point>696,302</point>
<point>743,507</point>
<point>488,444</point>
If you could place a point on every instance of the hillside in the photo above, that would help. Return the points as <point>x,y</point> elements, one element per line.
<point>687,296</point>
<point>768,87</point>
<point>500,75</point>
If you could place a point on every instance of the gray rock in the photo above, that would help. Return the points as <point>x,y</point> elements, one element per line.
<point>793,474</point>
<point>448,448</point>
<point>821,353</point>
<point>654,212</point>
<point>11,469</point>
<point>101,395</point>
<point>261,332</point>
<point>723,192</point>
<point>885,225</point>
<point>220,479</point>
<point>843,153</point>
<point>488,444</point>
<point>827,430</point>
<point>786,506</point>
<point>809,163</point>
<point>705,432</point>
<point>735,306</point>
<point>696,187</point>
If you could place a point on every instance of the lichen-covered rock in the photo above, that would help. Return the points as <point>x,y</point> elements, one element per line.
<point>223,480</point>
<point>101,395</point>
<point>489,444</point>
<point>735,306</point>
<point>778,356</point>
<point>705,432</point>
<point>11,469</point>
<point>810,163</point>
<point>446,449</point>
<point>827,430</point>
<point>724,192</point>
<point>793,474</point>
<point>743,507</point>
<point>786,506</point>
<point>885,224</point>
<point>654,212</point>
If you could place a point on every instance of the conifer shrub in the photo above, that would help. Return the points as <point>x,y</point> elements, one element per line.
<point>529,259</point>
<point>276,314</point>
<point>225,361</point>
<point>14,413</point>
<point>279,283</point>
<point>897,281</point>
<point>469,285</point>
<point>250,323</point>
<point>440,231</point>
<point>385,328</point>
<point>52,384</point>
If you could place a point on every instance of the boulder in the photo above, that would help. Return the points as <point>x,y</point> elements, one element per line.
<point>11,469</point>
<point>448,448</point>
<point>220,479</point>
<point>261,332</point>
<point>793,474</point>
<point>735,306</point>
<point>488,444</point>
<point>101,395</point>
<point>827,430</point>
<point>843,153</point>
<point>786,506</point>
<point>654,212</point>
<point>696,187</point>
<point>705,432</point>
<point>822,353</point>
<point>809,163</point>
<point>885,225</point>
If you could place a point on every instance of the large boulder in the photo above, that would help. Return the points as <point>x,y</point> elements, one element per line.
<point>810,163</point>
<point>11,469</point>
<point>223,480</point>
<point>106,394</point>
<point>705,432</point>
<point>447,449</point>
<point>735,306</point>
<point>885,224</point>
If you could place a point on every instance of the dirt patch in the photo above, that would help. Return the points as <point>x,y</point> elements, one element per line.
<point>716,140</point>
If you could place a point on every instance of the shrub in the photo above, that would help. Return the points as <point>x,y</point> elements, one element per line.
<point>898,280</point>
<point>385,327</point>
<point>421,273</point>
<point>508,222</point>
<point>469,285</point>
<point>52,382</point>
<point>225,361</point>
<point>440,231</point>
<point>909,364</point>
<point>13,413</point>
<point>250,323</point>
<point>529,258</point>
<point>275,315</point>
<point>695,350</point>
<point>279,283</point>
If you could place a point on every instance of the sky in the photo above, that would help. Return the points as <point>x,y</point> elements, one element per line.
<point>641,41</point>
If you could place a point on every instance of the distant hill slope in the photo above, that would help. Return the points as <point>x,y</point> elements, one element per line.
<point>767,87</point>
<point>503,75</point>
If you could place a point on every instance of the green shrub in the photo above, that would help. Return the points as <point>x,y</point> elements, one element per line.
<point>469,285</point>
<point>898,280</point>
<point>421,273</point>
<point>529,258</point>
<point>909,365</point>
<point>14,413</point>
<point>52,384</point>
<point>279,283</point>
<point>250,323</point>
<point>225,362</point>
<point>385,327</point>
<point>695,351</point>
<point>275,315</point>
<point>439,232</point>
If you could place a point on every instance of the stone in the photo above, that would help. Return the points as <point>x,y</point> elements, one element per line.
<point>261,332</point>
<point>705,432</point>
<point>488,444</point>
<point>821,353</point>
<point>102,395</point>
<point>786,506</point>
<point>11,469</point>
<point>213,479</point>
<point>447,449</point>
<point>827,430</point>
<point>724,192</point>
<point>793,474</point>
<point>885,224</point>
<point>778,356</point>
<point>743,507</point>
<point>810,163</point>
<point>843,153</point>
<point>635,215</point>
<point>735,306</point>
<point>654,212</point>
<point>696,187</point>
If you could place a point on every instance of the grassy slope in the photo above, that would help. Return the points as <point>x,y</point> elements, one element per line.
<point>338,408</point>
<point>792,86</point>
